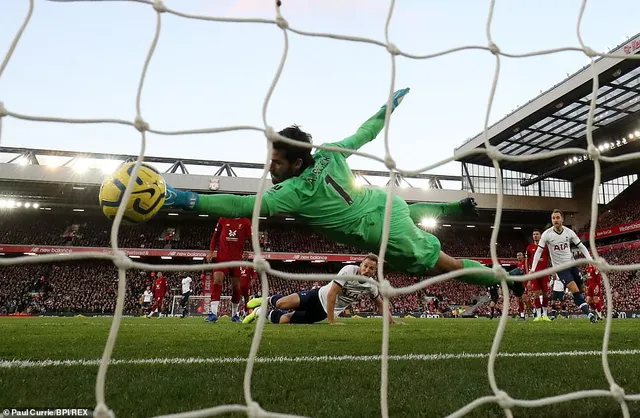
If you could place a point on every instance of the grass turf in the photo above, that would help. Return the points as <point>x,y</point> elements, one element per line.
<point>317,388</point>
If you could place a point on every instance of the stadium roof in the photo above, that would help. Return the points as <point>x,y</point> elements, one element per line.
<point>557,119</point>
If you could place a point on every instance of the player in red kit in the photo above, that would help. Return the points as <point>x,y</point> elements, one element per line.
<point>229,239</point>
<point>539,287</point>
<point>522,265</point>
<point>159,290</point>
<point>247,274</point>
<point>594,290</point>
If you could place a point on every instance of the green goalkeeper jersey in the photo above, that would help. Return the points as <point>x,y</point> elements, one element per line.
<point>326,197</point>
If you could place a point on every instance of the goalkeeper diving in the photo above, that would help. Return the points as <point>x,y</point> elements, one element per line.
<point>320,189</point>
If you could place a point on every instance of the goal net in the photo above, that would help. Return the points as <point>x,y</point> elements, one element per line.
<point>199,306</point>
<point>500,395</point>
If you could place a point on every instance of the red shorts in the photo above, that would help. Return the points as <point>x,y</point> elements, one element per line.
<point>157,300</point>
<point>235,271</point>
<point>594,291</point>
<point>541,284</point>
<point>245,282</point>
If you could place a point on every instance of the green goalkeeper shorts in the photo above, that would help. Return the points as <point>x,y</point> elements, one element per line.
<point>409,249</point>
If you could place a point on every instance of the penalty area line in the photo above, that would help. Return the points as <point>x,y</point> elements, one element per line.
<point>25,364</point>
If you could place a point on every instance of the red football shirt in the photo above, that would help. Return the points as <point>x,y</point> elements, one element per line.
<point>248,273</point>
<point>230,237</point>
<point>159,287</point>
<point>594,279</point>
<point>544,258</point>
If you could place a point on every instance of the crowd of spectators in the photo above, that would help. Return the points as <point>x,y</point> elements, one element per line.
<point>91,286</point>
<point>82,231</point>
<point>625,208</point>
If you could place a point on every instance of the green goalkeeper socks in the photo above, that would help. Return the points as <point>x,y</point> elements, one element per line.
<point>418,211</point>
<point>486,278</point>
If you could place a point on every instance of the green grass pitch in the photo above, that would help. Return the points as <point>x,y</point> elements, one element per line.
<point>301,371</point>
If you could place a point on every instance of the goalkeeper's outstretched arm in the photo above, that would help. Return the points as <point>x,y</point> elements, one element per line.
<point>282,198</point>
<point>369,130</point>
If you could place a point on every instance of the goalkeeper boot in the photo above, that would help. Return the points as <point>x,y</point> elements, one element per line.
<point>252,316</point>
<point>254,303</point>
<point>211,317</point>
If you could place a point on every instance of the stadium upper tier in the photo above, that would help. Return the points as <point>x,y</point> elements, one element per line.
<point>74,180</point>
<point>557,119</point>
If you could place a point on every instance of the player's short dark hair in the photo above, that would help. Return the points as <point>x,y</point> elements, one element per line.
<point>372,257</point>
<point>292,152</point>
<point>558,211</point>
<point>535,230</point>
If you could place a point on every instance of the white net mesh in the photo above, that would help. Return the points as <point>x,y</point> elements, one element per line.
<point>252,408</point>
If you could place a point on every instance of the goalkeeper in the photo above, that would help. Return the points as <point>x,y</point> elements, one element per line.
<point>320,189</point>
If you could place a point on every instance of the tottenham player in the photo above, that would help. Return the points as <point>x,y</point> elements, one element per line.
<point>320,189</point>
<point>229,239</point>
<point>147,296</point>
<point>186,292</point>
<point>558,239</point>
<point>493,294</point>
<point>594,290</point>
<point>327,302</point>
<point>539,287</point>
<point>557,297</point>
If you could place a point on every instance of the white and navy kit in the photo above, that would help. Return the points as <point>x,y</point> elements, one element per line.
<point>559,244</point>
<point>147,296</point>
<point>186,291</point>
<point>558,289</point>
<point>313,303</point>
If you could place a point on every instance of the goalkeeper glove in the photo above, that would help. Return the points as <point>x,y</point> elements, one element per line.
<point>397,98</point>
<point>180,199</point>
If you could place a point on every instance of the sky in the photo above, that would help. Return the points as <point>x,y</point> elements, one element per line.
<point>84,60</point>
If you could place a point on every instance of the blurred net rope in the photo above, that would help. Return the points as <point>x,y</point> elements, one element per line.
<point>252,408</point>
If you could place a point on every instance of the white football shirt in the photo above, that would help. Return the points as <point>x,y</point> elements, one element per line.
<point>186,284</point>
<point>147,295</point>
<point>559,244</point>
<point>352,290</point>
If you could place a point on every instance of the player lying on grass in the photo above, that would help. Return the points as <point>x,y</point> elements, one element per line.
<point>321,190</point>
<point>326,302</point>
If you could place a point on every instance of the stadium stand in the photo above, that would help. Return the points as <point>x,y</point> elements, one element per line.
<point>91,287</point>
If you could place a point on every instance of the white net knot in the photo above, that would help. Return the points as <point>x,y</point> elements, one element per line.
<point>589,52</point>
<point>122,261</point>
<point>504,400</point>
<point>390,162</point>
<point>3,110</point>
<point>393,49</point>
<point>282,22</point>
<point>617,392</point>
<point>593,152</point>
<point>385,289</point>
<point>271,134</point>
<point>260,265</point>
<point>495,50</point>
<point>601,264</point>
<point>140,124</point>
<point>101,411</point>
<point>159,6</point>
<point>500,272</point>
<point>493,153</point>
<point>255,411</point>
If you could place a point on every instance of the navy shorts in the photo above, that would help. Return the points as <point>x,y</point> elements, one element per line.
<point>493,292</point>
<point>570,275</point>
<point>557,295</point>
<point>310,309</point>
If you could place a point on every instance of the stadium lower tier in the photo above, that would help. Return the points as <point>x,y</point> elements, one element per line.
<point>91,287</point>
<point>87,230</point>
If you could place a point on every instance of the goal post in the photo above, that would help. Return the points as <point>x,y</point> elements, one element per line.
<point>199,305</point>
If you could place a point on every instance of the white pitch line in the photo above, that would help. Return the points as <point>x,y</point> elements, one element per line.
<point>23,364</point>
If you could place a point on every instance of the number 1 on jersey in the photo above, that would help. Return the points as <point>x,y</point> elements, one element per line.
<point>342,192</point>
